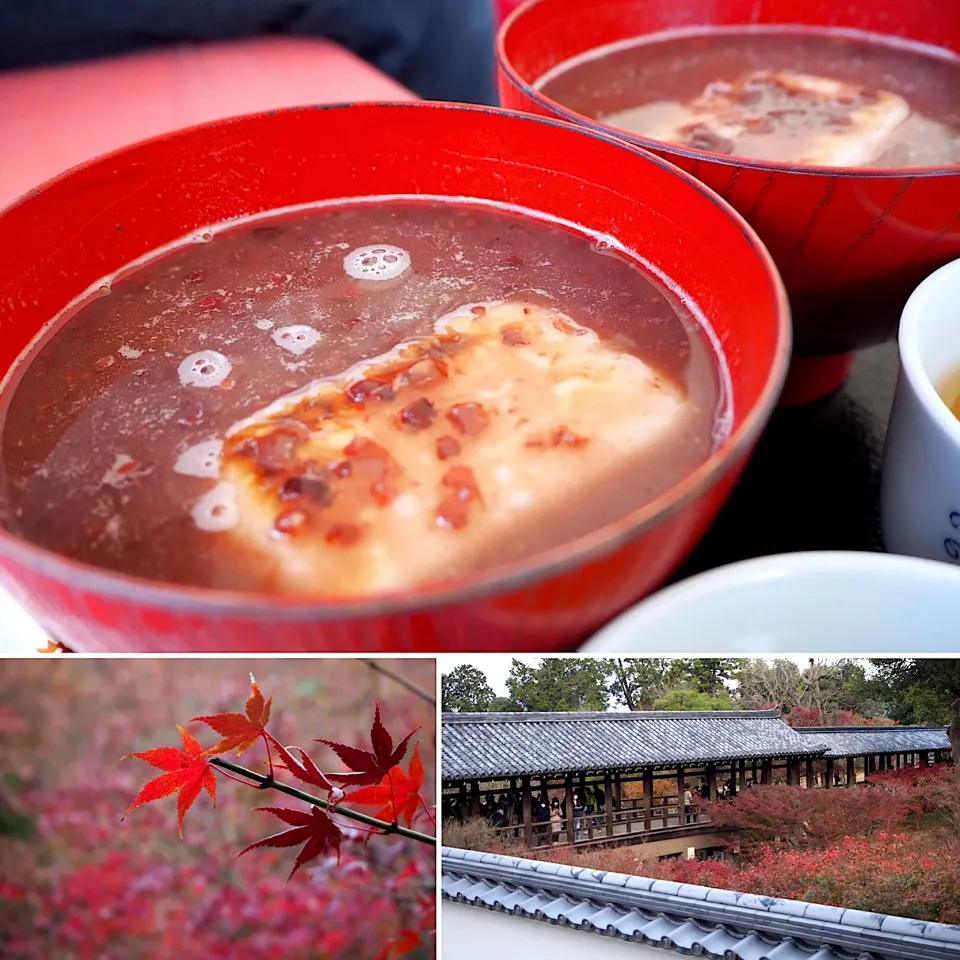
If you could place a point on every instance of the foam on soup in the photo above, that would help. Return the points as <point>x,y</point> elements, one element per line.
<point>357,397</point>
<point>791,95</point>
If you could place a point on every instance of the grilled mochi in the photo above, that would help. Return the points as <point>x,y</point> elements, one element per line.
<point>779,117</point>
<point>414,466</point>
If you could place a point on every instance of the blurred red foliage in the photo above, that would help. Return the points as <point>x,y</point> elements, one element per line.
<point>75,885</point>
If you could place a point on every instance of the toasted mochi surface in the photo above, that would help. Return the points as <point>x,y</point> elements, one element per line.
<point>414,466</point>
<point>781,117</point>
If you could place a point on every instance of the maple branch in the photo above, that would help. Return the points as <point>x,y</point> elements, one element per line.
<point>403,681</point>
<point>268,783</point>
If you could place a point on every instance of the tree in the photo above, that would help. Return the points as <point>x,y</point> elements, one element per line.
<point>637,682</point>
<point>762,683</point>
<point>465,690</point>
<point>693,700</point>
<point>502,705</point>
<point>933,686</point>
<point>706,675</point>
<point>567,684</point>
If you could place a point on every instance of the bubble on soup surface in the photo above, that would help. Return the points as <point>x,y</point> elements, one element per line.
<point>263,324</point>
<point>376,262</point>
<point>216,511</point>
<point>296,339</point>
<point>200,460</point>
<point>204,369</point>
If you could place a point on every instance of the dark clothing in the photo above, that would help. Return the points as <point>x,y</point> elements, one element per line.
<point>440,49</point>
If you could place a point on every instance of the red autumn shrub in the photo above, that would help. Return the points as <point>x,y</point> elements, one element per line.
<point>930,790</point>
<point>885,873</point>
<point>793,816</point>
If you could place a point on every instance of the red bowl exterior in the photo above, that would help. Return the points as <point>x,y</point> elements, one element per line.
<point>98,217</point>
<point>851,245</point>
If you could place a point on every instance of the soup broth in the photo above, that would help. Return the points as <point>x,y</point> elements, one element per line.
<point>784,95</point>
<point>355,398</point>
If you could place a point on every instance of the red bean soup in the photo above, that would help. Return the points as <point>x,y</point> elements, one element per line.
<point>789,95</point>
<point>356,398</point>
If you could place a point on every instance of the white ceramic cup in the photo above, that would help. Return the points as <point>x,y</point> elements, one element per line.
<point>834,603</point>
<point>920,499</point>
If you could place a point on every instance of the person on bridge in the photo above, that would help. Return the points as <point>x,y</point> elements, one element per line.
<point>688,804</point>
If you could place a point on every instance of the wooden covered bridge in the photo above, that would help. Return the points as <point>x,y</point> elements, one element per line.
<point>511,768</point>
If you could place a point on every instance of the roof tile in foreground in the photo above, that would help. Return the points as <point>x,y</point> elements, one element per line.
<point>721,924</point>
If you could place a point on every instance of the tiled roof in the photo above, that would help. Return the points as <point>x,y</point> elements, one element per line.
<point>686,918</point>
<point>483,745</point>
<point>857,741</point>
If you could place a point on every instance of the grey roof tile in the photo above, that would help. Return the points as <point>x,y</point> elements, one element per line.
<point>858,741</point>
<point>721,925</point>
<point>482,745</point>
<point>820,911</point>
<point>606,919</point>
<point>862,919</point>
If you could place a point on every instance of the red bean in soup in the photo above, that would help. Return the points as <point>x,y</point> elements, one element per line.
<point>358,397</point>
<point>788,95</point>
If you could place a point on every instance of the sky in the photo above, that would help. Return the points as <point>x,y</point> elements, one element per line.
<point>497,665</point>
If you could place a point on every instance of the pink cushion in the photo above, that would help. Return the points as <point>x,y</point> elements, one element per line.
<point>54,118</point>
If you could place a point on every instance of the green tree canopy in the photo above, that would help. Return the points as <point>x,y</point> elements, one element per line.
<point>636,682</point>
<point>709,676</point>
<point>687,699</point>
<point>923,691</point>
<point>565,684</point>
<point>465,690</point>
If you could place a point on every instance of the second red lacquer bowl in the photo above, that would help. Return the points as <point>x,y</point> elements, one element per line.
<point>850,244</point>
<point>96,218</point>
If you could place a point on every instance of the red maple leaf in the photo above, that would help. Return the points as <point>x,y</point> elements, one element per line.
<point>406,941</point>
<point>304,769</point>
<point>399,799</point>
<point>188,772</point>
<point>240,731</point>
<point>314,829</point>
<point>369,767</point>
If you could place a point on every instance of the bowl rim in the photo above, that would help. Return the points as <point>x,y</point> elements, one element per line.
<point>502,579</point>
<point>942,285</point>
<point>512,75</point>
<point>812,565</point>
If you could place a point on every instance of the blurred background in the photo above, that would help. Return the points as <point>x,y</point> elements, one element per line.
<point>78,80</point>
<point>77,883</point>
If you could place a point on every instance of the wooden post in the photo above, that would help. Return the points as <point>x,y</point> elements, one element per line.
<point>811,780</point>
<point>681,787</point>
<point>753,772</point>
<point>766,772</point>
<point>474,798</point>
<point>743,775</point>
<point>828,776</point>
<point>568,807</point>
<point>712,782</point>
<point>792,773</point>
<point>733,780</point>
<point>618,788</point>
<point>527,806</point>
<point>608,802</point>
<point>851,771</point>
<point>648,799</point>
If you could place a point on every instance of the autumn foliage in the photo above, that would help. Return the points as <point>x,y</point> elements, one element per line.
<point>889,846</point>
<point>299,870</point>
<point>190,770</point>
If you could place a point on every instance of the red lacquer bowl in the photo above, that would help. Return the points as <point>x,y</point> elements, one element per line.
<point>850,244</point>
<point>101,216</point>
